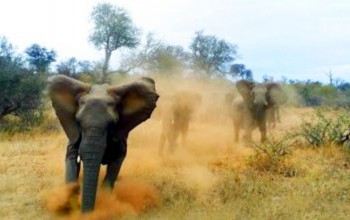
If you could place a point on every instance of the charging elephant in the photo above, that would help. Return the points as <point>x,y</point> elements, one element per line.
<point>257,99</point>
<point>176,117</point>
<point>97,120</point>
<point>238,114</point>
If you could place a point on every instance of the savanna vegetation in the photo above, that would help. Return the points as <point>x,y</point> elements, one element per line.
<point>300,172</point>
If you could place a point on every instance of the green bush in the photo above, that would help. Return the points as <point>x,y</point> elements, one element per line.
<point>20,91</point>
<point>320,129</point>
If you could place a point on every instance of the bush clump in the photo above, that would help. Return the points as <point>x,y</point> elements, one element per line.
<point>271,156</point>
<point>321,129</point>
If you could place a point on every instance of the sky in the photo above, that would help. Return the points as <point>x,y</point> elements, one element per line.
<point>296,39</point>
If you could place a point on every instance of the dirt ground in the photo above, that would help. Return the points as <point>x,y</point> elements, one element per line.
<point>209,178</point>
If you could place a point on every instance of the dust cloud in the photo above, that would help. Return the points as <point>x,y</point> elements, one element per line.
<point>128,198</point>
<point>148,179</point>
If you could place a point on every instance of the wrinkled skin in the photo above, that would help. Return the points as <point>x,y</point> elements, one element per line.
<point>257,98</point>
<point>176,117</point>
<point>97,120</point>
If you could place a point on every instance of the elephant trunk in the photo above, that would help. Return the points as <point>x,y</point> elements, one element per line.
<point>259,113</point>
<point>91,151</point>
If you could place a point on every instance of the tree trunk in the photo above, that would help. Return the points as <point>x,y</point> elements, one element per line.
<point>105,66</point>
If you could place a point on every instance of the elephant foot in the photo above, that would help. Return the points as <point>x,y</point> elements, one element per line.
<point>108,185</point>
<point>72,171</point>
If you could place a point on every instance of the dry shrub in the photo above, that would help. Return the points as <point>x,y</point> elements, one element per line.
<point>128,198</point>
<point>271,156</point>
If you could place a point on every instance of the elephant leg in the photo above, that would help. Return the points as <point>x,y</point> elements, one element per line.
<point>278,114</point>
<point>184,132</point>
<point>262,128</point>
<point>174,134</point>
<point>270,117</point>
<point>72,164</point>
<point>273,117</point>
<point>112,173</point>
<point>237,128</point>
<point>248,134</point>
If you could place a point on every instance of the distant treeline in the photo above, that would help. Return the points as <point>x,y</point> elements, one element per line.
<point>314,93</point>
<point>23,76</point>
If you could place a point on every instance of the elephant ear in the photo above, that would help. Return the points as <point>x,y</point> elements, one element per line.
<point>275,94</point>
<point>245,87</point>
<point>137,101</point>
<point>64,93</point>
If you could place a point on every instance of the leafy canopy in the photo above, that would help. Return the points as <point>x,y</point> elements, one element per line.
<point>40,58</point>
<point>239,71</point>
<point>20,88</point>
<point>211,54</point>
<point>113,28</point>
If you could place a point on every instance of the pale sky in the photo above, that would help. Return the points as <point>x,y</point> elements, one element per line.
<point>298,39</point>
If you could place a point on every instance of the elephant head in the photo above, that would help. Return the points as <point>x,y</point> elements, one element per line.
<point>259,97</point>
<point>90,113</point>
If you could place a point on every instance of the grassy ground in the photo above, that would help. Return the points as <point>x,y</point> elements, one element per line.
<point>210,178</point>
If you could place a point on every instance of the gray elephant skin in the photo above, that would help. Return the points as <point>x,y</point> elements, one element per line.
<point>97,120</point>
<point>176,118</point>
<point>249,112</point>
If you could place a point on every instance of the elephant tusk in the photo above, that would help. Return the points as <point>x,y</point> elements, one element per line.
<point>78,159</point>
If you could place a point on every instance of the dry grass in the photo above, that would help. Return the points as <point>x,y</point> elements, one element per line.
<point>208,179</point>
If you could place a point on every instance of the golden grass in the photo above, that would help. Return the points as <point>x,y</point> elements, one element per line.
<point>207,179</point>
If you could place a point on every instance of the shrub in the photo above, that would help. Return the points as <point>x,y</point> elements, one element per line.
<point>321,130</point>
<point>20,91</point>
<point>270,156</point>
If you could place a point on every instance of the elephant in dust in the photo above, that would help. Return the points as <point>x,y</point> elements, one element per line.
<point>176,117</point>
<point>251,111</point>
<point>238,113</point>
<point>273,116</point>
<point>279,97</point>
<point>97,120</point>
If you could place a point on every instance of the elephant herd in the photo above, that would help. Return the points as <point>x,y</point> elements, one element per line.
<point>258,106</point>
<point>97,120</point>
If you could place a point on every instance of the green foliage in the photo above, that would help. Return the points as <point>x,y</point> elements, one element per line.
<point>212,55</point>
<point>40,58</point>
<point>321,129</point>
<point>314,93</point>
<point>113,29</point>
<point>67,67</point>
<point>239,71</point>
<point>84,70</point>
<point>21,91</point>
